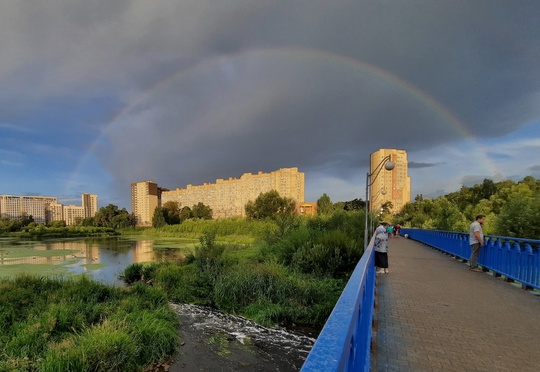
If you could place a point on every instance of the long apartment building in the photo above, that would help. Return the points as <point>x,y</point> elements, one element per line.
<point>45,209</point>
<point>227,198</point>
<point>390,186</point>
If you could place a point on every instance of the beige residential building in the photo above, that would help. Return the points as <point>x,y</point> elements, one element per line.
<point>45,209</point>
<point>227,198</point>
<point>56,212</point>
<point>89,203</point>
<point>145,197</point>
<point>73,214</point>
<point>390,186</point>
<point>16,206</point>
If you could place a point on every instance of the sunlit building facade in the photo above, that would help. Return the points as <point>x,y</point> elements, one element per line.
<point>89,203</point>
<point>226,198</point>
<point>17,207</point>
<point>145,198</point>
<point>45,209</point>
<point>390,186</point>
<point>73,214</point>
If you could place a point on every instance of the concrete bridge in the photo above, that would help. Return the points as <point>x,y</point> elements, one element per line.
<point>432,314</point>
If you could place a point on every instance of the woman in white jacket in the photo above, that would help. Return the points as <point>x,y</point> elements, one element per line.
<point>381,248</point>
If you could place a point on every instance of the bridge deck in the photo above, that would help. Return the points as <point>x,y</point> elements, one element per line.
<point>433,314</point>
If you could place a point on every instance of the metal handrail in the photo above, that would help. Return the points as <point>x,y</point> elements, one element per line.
<point>344,343</point>
<point>518,259</point>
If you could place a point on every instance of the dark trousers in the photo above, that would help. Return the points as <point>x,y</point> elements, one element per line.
<point>381,259</point>
<point>475,252</point>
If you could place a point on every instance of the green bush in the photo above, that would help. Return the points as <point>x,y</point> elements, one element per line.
<point>246,284</point>
<point>333,254</point>
<point>270,294</point>
<point>80,325</point>
<point>132,273</point>
<point>183,283</point>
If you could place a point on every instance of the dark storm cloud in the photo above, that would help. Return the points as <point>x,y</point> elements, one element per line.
<point>207,90</point>
<point>270,88</point>
<point>472,180</point>
<point>416,165</point>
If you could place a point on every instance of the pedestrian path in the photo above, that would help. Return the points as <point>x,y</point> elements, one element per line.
<point>433,314</point>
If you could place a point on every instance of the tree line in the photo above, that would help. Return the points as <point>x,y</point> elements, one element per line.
<point>511,209</point>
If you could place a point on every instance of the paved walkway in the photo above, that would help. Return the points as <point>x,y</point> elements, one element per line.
<point>435,315</point>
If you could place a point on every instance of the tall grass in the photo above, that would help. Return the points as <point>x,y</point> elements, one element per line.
<point>271,294</point>
<point>238,230</point>
<point>293,273</point>
<point>49,324</point>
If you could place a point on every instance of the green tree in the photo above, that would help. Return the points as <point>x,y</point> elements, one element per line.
<point>61,223</point>
<point>172,217</point>
<point>185,213</point>
<point>201,211</point>
<point>386,207</point>
<point>124,220</point>
<point>269,205</point>
<point>105,215</point>
<point>354,205</point>
<point>88,221</point>
<point>447,216</point>
<point>111,216</point>
<point>324,205</point>
<point>158,219</point>
<point>26,219</point>
<point>519,217</point>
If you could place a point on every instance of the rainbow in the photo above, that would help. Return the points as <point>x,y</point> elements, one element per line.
<point>384,76</point>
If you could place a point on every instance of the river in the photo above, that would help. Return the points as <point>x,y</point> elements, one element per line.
<point>210,340</point>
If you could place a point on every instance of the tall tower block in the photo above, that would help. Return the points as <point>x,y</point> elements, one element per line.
<point>390,186</point>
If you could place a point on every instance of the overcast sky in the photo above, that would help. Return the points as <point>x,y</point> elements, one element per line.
<point>95,95</point>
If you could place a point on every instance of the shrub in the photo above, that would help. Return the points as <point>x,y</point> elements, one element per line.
<point>333,254</point>
<point>132,273</point>
<point>183,283</point>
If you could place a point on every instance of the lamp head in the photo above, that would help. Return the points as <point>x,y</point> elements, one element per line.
<point>389,165</point>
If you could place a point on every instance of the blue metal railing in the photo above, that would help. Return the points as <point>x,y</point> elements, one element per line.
<point>344,343</point>
<point>515,258</point>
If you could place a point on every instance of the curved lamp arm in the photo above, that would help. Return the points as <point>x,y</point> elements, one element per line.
<point>388,165</point>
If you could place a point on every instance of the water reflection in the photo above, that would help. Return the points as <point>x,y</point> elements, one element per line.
<point>103,259</point>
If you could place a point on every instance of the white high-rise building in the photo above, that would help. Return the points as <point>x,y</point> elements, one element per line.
<point>45,209</point>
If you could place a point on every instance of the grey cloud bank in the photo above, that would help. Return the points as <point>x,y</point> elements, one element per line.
<point>191,91</point>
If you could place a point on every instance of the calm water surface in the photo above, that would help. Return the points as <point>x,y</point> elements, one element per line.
<point>102,259</point>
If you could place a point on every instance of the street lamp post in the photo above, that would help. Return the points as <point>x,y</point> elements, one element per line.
<point>380,192</point>
<point>388,164</point>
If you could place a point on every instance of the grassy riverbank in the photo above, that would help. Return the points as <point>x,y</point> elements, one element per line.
<point>45,232</point>
<point>289,271</point>
<point>230,230</point>
<point>79,325</point>
<point>293,272</point>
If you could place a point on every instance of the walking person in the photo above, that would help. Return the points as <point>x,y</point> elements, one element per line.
<point>390,231</point>
<point>476,240</point>
<point>381,249</point>
<point>396,229</point>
